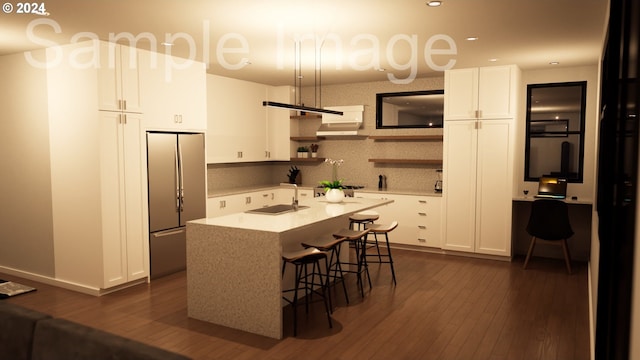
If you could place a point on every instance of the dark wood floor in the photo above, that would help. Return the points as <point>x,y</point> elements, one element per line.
<point>444,307</point>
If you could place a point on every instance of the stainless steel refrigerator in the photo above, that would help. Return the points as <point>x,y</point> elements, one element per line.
<point>177,194</point>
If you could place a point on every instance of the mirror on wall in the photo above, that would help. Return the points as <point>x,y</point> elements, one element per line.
<point>415,109</point>
<point>555,131</point>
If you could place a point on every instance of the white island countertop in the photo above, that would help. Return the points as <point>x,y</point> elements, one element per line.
<point>234,262</point>
<point>318,210</point>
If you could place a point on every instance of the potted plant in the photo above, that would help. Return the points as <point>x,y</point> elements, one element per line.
<point>303,152</point>
<point>333,188</point>
<point>314,150</point>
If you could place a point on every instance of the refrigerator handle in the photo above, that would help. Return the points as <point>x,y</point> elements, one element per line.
<point>181,169</point>
<point>175,149</point>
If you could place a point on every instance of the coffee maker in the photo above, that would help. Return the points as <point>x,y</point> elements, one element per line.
<point>438,185</point>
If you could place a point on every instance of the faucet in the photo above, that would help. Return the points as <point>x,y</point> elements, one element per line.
<point>294,201</point>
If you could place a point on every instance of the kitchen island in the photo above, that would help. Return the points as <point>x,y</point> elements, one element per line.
<point>234,262</point>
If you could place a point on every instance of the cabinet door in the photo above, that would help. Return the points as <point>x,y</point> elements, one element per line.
<point>237,130</point>
<point>461,94</point>
<point>174,91</point>
<point>494,187</point>
<point>123,226</point>
<point>480,93</point>
<point>119,78</point>
<point>459,188</point>
<point>494,93</point>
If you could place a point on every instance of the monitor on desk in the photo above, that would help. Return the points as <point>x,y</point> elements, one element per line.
<point>552,188</point>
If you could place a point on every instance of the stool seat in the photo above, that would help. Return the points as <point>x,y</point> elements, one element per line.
<point>363,217</point>
<point>350,234</point>
<point>324,243</point>
<point>292,256</point>
<point>382,228</point>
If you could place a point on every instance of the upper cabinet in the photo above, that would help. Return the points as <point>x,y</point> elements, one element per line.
<point>174,92</point>
<point>119,78</point>
<point>481,93</point>
<point>240,129</point>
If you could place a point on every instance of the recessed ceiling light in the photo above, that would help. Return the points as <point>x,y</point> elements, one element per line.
<point>472,38</point>
<point>166,44</point>
<point>381,69</point>
<point>554,63</point>
<point>493,60</point>
<point>434,3</point>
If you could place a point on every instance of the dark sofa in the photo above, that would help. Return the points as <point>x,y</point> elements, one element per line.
<point>29,335</point>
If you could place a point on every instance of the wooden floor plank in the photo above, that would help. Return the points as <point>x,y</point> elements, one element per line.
<point>444,307</point>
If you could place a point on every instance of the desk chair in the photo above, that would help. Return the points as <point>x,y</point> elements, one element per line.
<point>549,224</point>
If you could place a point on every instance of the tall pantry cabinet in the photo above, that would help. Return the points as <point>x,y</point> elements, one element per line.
<point>478,169</point>
<point>97,166</point>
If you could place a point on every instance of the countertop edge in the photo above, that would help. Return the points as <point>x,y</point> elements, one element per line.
<point>243,190</point>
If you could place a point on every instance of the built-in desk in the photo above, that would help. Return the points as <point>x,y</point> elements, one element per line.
<point>580,212</point>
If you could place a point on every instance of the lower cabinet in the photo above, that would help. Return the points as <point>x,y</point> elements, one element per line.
<point>418,218</point>
<point>229,204</point>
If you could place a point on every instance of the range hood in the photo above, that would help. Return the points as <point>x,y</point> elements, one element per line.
<point>346,124</point>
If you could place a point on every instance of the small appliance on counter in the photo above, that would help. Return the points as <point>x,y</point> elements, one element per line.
<point>438,185</point>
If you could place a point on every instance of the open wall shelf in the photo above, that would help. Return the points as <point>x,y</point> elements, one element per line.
<point>407,137</point>
<point>408,161</point>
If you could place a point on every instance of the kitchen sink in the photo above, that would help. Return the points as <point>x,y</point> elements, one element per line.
<point>276,209</point>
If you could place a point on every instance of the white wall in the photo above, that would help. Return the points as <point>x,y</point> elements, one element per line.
<point>26,241</point>
<point>586,190</point>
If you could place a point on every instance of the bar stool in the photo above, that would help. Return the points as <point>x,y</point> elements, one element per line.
<point>332,245</point>
<point>301,259</point>
<point>357,238</point>
<point>385,229</point>
<point>362,218</point>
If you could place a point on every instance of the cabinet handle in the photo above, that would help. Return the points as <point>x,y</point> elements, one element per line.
<point>422,201</point>
<point>239,154</point>
<point>303,194</point>
<point>265,195</point>
<point>247,200</point>
<point>422,227</point>
<point>422,240</point>
<point>223,204</point>
<point>422,214</point>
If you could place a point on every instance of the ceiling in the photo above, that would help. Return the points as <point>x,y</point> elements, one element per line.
<point>255,39</point>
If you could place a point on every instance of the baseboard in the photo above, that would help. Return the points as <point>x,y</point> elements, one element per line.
<point>592,324</point>
<point>89,290</point>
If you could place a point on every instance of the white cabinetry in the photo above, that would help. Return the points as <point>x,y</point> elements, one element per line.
<point>119,78</point>
<point>240,129</point>
<point>98,178</point>
<point>174,92</point>
<point>478,164</point>
<point>481,93</point>
<point>122,192</point>
<point>229,204</point>
<point>418,218</point>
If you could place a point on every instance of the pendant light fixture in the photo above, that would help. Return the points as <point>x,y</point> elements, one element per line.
<point>297,78</point>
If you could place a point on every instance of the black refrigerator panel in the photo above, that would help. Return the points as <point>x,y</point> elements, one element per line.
<point>192,176</point>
